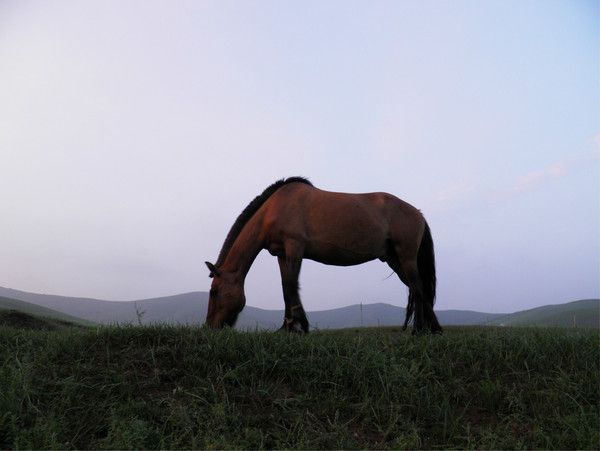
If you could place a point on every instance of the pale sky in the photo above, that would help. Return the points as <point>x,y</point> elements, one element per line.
<point>132,134</point>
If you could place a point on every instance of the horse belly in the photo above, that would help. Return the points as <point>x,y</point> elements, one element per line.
<point>345,249</point>
<point>338,257</point>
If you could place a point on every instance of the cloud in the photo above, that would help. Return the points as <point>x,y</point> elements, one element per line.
<point>534,179</point>
<point>559,169</point>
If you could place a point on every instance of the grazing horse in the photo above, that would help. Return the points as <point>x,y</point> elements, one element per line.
<point>294,220</point>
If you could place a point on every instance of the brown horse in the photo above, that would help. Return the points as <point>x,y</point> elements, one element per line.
<point>294,220</point>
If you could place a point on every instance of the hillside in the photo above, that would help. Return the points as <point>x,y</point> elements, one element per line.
<point>582,313</point>
<point>192,388</point>
<point>18,320</point>
<point>34,310</point>
<point>190,308</point>
<point>187,308</point>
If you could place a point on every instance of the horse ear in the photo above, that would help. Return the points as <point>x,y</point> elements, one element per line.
<point>213,269</point>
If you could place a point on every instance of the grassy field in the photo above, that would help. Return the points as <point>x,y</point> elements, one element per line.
<point>183,387</point>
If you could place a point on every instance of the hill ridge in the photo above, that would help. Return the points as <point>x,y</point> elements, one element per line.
<point>190,308</point>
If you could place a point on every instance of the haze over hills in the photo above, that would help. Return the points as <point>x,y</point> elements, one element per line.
<point>190,308</point>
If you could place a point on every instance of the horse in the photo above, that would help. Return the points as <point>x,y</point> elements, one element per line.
<point>293,220</point>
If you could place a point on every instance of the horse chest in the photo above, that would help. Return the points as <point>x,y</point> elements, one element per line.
<point>276,249</point>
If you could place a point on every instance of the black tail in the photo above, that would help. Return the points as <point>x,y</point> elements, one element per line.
<point>426,267</point>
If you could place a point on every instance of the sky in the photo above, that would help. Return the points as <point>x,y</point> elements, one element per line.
<point>133,133</point>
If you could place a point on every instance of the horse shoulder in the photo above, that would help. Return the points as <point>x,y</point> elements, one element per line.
<point>282,217</point>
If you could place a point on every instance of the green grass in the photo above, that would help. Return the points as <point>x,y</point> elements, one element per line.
<point>183,387</point>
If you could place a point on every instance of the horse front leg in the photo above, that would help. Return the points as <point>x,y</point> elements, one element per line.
<point>289,266</point>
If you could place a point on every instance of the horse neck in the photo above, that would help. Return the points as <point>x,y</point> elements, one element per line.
<point>245,248</point>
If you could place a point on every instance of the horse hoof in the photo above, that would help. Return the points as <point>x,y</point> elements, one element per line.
<point>293,327</point>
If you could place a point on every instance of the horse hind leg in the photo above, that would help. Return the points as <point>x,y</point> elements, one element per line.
<point>410,307</point>
<point>422,305</point>
<point>416,298</point>
<point>420,301</point>
<point>429,318</point>
<point>408,274</point>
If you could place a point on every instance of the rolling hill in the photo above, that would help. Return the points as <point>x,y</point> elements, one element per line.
<point>19,320</point>
<point>190,308</point>
<point>14,305</point>
<point>582,313</point>
<point>367,315</point>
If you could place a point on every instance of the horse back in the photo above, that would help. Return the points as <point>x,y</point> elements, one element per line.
<point>350,227</point>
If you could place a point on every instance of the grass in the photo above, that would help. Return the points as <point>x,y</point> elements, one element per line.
<point>184,387</point>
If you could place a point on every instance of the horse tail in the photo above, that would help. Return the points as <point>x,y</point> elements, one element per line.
<point>426,268</point>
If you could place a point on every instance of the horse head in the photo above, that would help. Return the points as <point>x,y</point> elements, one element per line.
<point>226,298</point>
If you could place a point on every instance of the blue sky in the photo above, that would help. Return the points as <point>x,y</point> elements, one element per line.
<point>133,133</point>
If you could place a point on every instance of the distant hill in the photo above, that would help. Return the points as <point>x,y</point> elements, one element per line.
<point>582,313</point>
<point>190,308</point>
<point>33,310</point>
<point>20,320</point>
<point>367,315</point>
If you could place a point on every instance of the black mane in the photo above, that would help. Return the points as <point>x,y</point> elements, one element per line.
<point>249,211</point>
